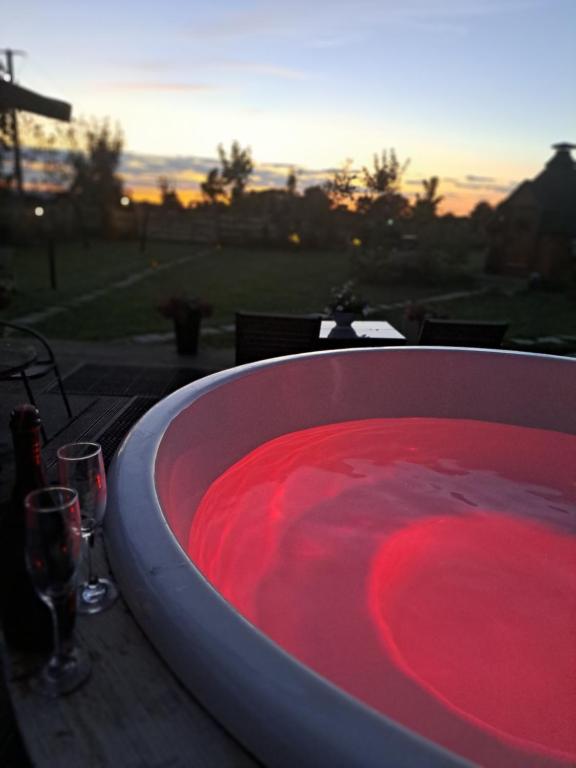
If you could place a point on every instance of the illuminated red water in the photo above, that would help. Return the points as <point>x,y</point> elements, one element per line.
<point>426,566</point>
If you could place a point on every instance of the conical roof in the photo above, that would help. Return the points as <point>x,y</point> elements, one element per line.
<point>555,192</point>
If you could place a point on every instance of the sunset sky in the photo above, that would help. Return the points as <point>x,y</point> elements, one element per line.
<point>473,91</point>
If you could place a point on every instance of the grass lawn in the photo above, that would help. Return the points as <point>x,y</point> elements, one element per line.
<point>530,314</point>
<point>79,271</point>
<point>229,278</point>
<point>232,279</point>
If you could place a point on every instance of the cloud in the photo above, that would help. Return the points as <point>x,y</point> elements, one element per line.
<point>186,171</point>
<point>147,85</point>
<point>219,69</point>
<point>480,179</point>
<point>337,23</point>
<point>141,173</point>
<point>260,68</point>
<point>319,24</point>
<point>461,9</point>
<point>503,188</point>
<point>333,41</point>
<point>480,183</point>
<point>150,65</point>
<point>260,22</point>
<point>453,17</point>
<point>470,182</point>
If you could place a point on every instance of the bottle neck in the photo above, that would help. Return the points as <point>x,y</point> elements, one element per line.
<point>29,469</point>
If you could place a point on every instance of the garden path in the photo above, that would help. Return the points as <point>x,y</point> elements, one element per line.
<point>34,318</point>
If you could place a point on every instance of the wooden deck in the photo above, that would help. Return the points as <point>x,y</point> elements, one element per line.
<point>132,712</point>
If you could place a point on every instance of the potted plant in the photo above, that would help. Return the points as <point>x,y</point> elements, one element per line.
<point>345,307</point>
<point>186,313</point>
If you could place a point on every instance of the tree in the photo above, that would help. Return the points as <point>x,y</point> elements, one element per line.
<point>6,139</point>
<point>391,207</point>
<point>292,182</point>
<point>386,175</point>
<point>315,200</point>
<point>51,146</point>
<point>213,187</point>
<point>95,164</point>
<point>168,195</point>
<point>482,216</point>
<point>236,169</point>
<point>427,203</point>
<point>340,187</point>
<point>96,180</point>
<point>5,145</point>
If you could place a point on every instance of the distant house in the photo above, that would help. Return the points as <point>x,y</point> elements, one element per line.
<point>535,230</point>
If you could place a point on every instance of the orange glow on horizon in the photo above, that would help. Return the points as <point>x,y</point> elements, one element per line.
<point>460,203</point>
<point>152,195</point>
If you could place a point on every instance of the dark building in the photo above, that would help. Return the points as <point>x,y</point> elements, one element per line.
<point>535,230</point>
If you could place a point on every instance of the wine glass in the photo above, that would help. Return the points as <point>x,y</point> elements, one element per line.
<point>53,544</point>
<point>81,466</point>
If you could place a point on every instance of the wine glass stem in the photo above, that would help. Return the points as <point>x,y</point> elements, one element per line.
<point>60,638</point>
<point>92,578</point>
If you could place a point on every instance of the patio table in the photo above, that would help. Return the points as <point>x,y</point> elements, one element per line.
<point>369,333</point>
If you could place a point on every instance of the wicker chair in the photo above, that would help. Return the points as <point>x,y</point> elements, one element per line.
<point>260,336</point>
<point>462,333</point>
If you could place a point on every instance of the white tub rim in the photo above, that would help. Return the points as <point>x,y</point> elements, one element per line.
<point>167,570</point>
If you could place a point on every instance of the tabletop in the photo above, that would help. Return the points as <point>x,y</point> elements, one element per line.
<point>368,332</point>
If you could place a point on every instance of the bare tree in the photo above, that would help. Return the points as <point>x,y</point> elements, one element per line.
<point>96,163</point>
<point>428,202</point>
<point>236,168</point>
<point>292,182</point>
<point>50,146</point>
<point>386,175</point>
<point>168,195</point>
<point>340,187</point>
<point>213,186</point>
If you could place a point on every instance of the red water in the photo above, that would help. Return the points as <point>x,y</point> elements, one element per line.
<point>426,566</point>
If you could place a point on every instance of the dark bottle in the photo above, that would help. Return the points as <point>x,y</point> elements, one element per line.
<point>26,620</point>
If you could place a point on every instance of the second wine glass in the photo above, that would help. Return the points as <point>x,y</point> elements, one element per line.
<point>52,556</point>
<point>81,466</point>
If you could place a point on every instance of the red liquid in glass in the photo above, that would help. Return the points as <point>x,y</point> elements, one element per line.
<point>425,566</point>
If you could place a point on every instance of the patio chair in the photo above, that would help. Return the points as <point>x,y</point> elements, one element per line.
<point>43,363</point>
<point>260,336</point>
<point>483,334</point>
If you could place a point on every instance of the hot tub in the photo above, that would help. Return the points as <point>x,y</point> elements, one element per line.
<point>280,705</point>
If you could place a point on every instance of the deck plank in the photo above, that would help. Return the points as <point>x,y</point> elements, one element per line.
<point>132,712</point>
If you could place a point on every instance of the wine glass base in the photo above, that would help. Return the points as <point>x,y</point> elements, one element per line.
<point>64,675</point>
<point>97,596</point>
